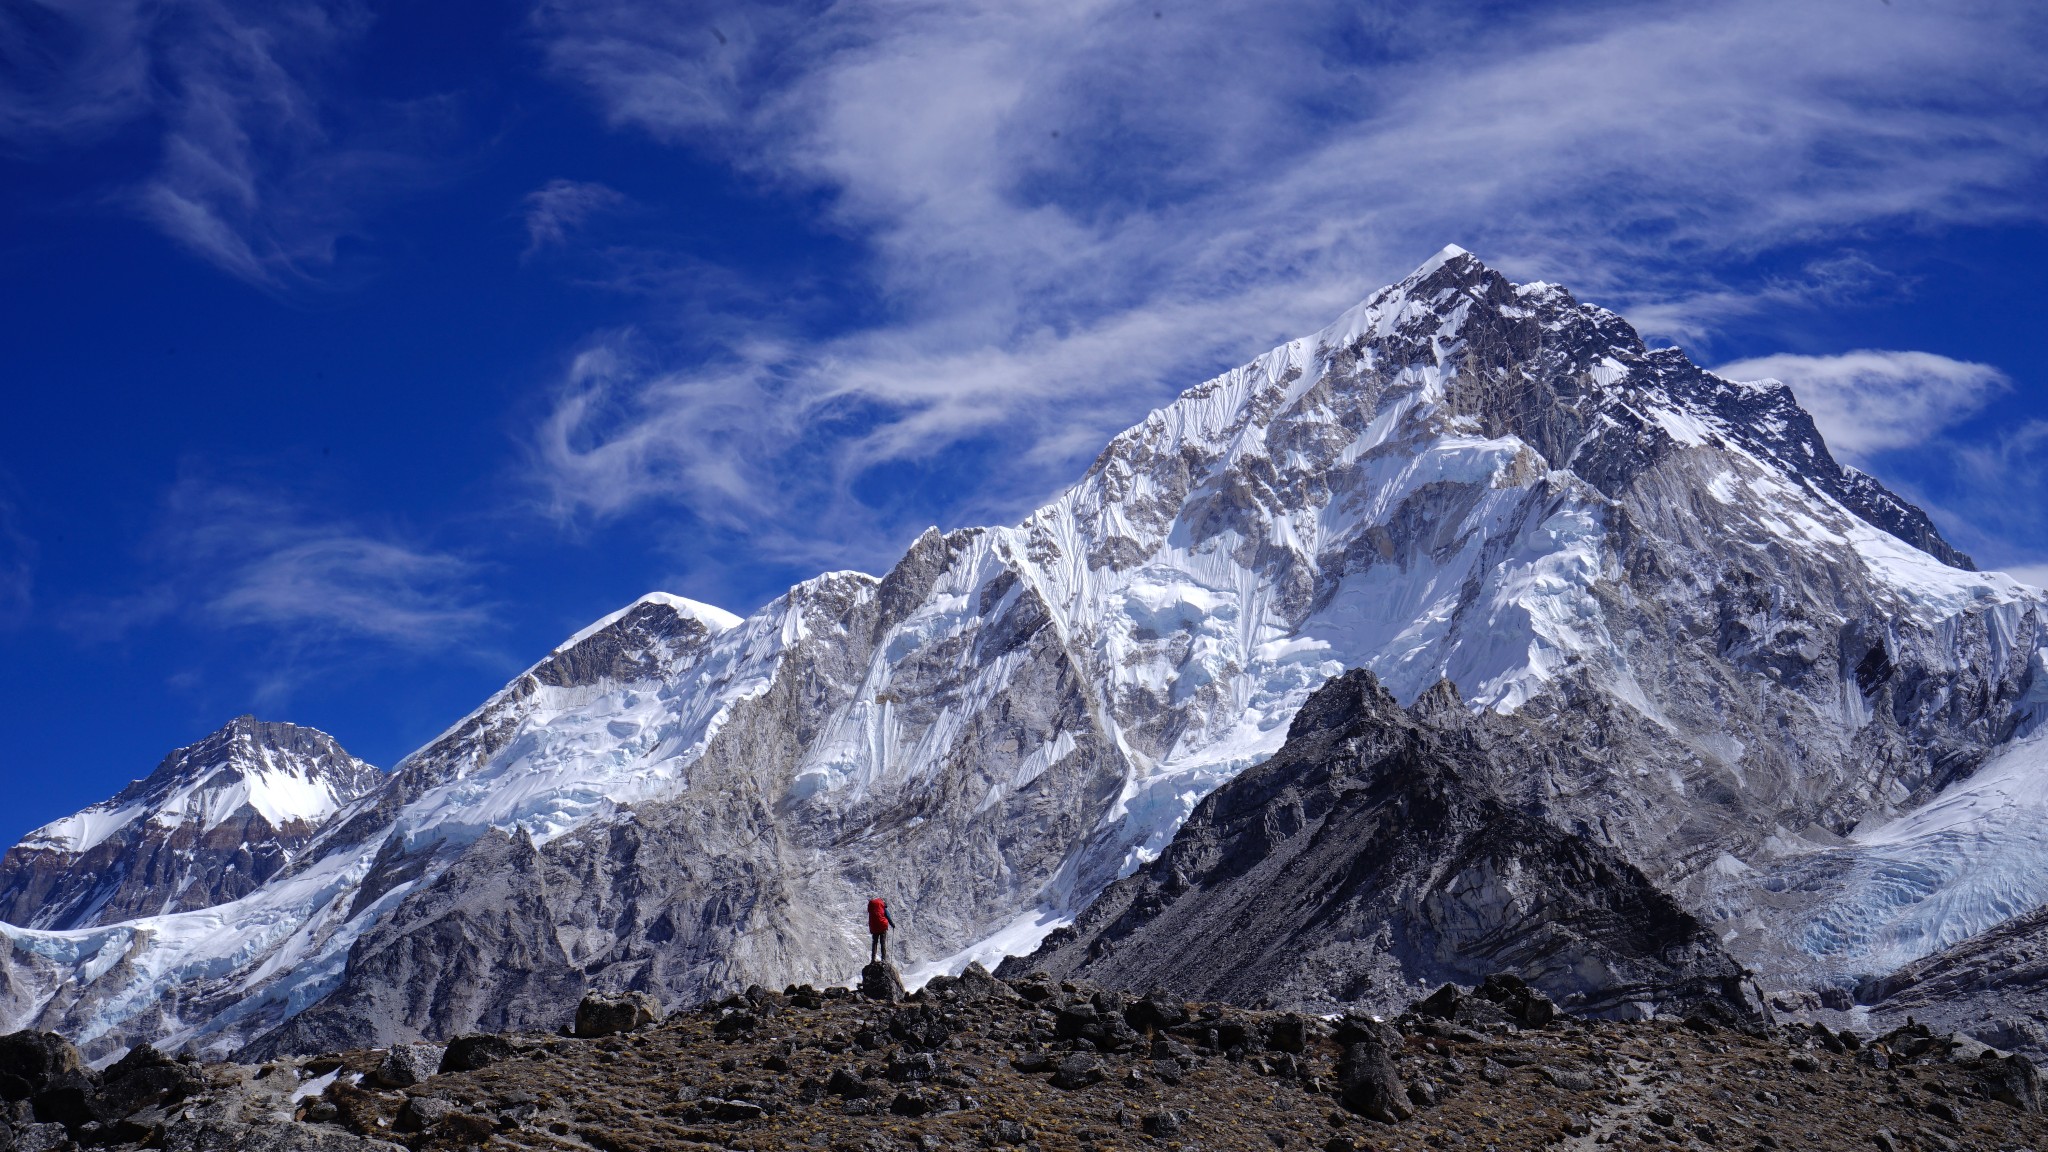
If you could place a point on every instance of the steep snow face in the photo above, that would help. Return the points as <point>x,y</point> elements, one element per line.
<point>591,740</point>
<point>1711,627</point>
<point>212,822</point>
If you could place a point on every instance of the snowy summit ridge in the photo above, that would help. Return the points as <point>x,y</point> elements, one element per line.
<point>1717,636</point>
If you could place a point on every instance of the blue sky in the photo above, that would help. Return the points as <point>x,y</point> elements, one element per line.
<point>359,352</point>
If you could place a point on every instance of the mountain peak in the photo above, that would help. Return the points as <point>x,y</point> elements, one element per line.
<point>214,819</point>
<point>1444,255</point>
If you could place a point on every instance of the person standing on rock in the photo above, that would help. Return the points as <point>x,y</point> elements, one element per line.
<point>878,930</point>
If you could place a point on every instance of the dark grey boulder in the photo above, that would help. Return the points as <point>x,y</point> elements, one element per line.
<point>1367,1075</point>
<point>469,1053</point>
<point>880,981</point>
<point>846,1082</point>
<point>1077,1071</point>
<point>609,1013</point>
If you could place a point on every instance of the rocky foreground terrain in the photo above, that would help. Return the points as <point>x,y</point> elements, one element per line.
<point>978,1062</point>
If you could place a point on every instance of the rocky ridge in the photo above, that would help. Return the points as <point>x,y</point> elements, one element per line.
<point>1032,1064</point>
<point>1372,856</point>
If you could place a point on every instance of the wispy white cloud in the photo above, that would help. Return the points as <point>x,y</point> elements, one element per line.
<point>1869,401</point>
<point>233,556</point>
<point>70,69</point>
<point>256,172</point>
<point>1075,207</point>
<point>560,206</point>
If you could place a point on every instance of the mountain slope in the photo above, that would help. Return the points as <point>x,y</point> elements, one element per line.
<point>1370,861</point>
<point>1992,986</point>
<point>215,821</point>
<point>1460,479</point>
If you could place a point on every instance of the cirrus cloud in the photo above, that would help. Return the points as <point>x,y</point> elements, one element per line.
<point>1870,401</point>
<point>1073,208</point>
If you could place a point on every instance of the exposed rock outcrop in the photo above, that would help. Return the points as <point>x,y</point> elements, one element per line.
<point>1372,856</point>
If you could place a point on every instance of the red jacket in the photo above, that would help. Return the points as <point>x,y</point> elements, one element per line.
<point>878,916</point>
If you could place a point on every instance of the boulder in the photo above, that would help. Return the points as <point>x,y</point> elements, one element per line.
<point>2012,1079</point>
<point>1289,1033</point>
<point>1163,1124</point>
<point>976,984</point>
<point>1156,1011</point>
<point>478,1050</point>
<point>880,981</point>
<point>41,1138</point>
<point>407,1064</point>
<point>609,1013</point>
<point>1523,1004</point>
<point>423,1112</point>
<point>145,1078</point>
<point>913,1066</point>
<point>1366,1074</point>
<point>847,1083</point>
<point>32,1062</point>
<point>1077,1071</point>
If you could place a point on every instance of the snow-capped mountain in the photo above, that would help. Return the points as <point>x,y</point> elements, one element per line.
<point>214,822</point>
<point>1727,652</point>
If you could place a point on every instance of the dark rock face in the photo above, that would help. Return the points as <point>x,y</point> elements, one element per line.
<point>210,825</point>
<point>1372,855</point>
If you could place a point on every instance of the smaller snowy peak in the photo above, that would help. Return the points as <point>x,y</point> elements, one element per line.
<point>285,772</point>
<point>216,817</point>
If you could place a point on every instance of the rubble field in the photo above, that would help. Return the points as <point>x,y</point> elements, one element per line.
<point>979,1063</point>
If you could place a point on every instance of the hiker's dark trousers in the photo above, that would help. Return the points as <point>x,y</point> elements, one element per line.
<point>878,947</point>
